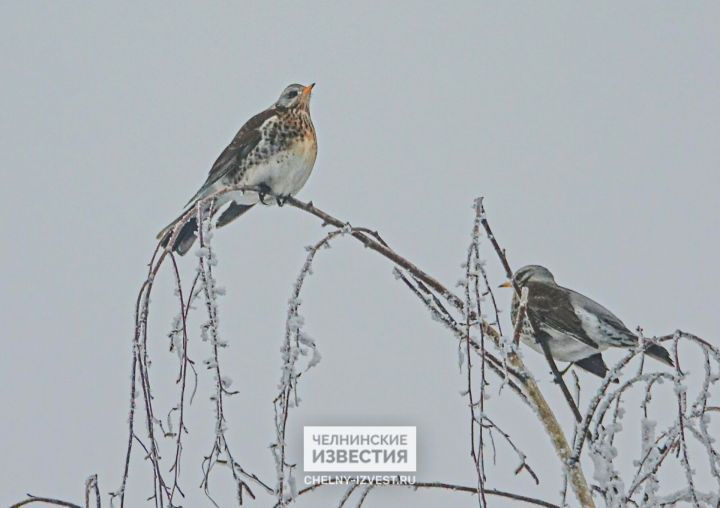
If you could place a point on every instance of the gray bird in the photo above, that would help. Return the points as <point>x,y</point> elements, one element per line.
<point>576,328</point>
<point>274,152</point>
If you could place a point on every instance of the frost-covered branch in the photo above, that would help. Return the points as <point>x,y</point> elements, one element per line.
<point>502,256</point>
<point>446,486</point>
<point>203,284</point>
<point>604,421</point>
<point>92,497</point>
<point>473,314</point>
<point>47,500</point>
<point>472,319</point>
<point>297,343</point>
<point>220,452</point>
<point>530,388</point>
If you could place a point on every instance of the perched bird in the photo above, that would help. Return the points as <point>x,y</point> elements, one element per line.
<point>274,152</point>
<point>576,328</point>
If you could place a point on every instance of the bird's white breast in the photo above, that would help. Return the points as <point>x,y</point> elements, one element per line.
<point>285,172</point>
<point>562,347</point>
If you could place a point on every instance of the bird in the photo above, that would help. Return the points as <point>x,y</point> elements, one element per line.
<point>576,328</point>
<point>274,153</point>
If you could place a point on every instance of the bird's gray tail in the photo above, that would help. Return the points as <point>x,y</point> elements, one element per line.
<point>185,238</point>
<point>593,364</point>
<point>188,233</point>
<point>659,353</point>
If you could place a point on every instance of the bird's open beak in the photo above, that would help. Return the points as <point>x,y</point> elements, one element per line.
<point>506,284</point>
<point>306,91</point>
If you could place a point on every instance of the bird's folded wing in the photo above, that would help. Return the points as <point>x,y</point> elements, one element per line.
<point>551,307</point>
<point>242,144</point>
<point>606,322</point>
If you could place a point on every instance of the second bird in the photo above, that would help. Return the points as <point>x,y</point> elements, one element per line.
<point>274,152</point>
<point>576,328</point>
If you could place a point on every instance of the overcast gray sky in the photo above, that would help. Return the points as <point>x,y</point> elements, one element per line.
<point>591,131</point>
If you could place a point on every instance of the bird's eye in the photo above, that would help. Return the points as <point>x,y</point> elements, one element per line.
<point>292,94</point>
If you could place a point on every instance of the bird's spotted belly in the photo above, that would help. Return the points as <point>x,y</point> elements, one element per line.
<point>286,171</point>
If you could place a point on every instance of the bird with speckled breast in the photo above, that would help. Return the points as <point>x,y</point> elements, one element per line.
<point>576,328</point>
<point>274,152</point>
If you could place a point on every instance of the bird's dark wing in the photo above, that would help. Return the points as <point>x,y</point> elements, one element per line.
<point>550,306</point>
<point>242,144</point>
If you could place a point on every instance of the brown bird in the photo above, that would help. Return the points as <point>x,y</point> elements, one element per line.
<point>274,152</point>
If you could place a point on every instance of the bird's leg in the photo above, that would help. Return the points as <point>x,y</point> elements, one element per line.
<point>263,190</point>
<point>282,199</point>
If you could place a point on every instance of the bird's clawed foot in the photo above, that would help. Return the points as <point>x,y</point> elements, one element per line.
<point>263,190</point>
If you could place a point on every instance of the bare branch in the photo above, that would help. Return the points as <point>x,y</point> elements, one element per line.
<point>36,499</point>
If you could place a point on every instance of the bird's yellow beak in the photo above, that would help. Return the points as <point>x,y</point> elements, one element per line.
<point>306,91</point>
<point>506,284</point>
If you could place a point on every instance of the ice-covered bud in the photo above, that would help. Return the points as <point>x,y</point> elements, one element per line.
<point>292,485</point>
<point>316,357</point>
<point>306,339</point>
<point>295,322</point>
<point>461,357</point>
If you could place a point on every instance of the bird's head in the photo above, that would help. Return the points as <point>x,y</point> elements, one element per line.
<point>295,97</point>
<point>534,273</point>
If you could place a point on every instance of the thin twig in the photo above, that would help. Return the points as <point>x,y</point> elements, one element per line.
<point>36,499</point>
<point>454,488</point>
<point>502,256</point>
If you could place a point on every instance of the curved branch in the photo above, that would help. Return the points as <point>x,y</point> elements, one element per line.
<point>35,499</point>
<point>542,408</point>
<point>370,241</point>
<point>455,488</point>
